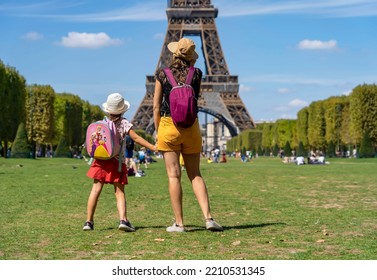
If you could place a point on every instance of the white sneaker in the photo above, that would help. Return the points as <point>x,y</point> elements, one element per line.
<point>126,226</point>
<point>213,226</point>
<point>175,228</point>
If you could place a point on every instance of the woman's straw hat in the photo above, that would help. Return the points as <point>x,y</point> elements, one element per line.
<point>184,48</point>
<point>115,104</point>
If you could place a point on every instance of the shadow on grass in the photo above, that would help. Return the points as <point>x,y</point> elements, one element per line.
<point>193,228</point>
<point>136,227</point>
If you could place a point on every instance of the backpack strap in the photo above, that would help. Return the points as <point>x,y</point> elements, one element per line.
<point>122,141</point>
<point>172,80</point>
<point>170,77</point>
<point>120,157</point>
<point>190,75</point>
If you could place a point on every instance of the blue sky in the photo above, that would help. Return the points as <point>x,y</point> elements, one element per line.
<point>286,53</point>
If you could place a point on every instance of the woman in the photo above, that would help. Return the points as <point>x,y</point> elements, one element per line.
<point>174,140</point>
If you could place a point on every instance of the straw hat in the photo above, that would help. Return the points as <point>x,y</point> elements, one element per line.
<point>184,48</point>
<point>115,104</point>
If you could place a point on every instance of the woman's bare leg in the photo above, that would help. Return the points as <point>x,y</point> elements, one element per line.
<point>199,187</point>
<point>173,170</point>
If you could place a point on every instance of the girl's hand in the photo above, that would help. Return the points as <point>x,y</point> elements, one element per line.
<point>155,148</point>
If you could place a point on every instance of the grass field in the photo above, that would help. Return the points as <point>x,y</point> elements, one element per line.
<point>269,210</point>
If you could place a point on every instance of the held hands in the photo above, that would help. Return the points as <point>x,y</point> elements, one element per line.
<point>155,148</point>
<point>155,145</point>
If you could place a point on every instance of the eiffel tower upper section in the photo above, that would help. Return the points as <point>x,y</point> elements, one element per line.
<point>219,90</point>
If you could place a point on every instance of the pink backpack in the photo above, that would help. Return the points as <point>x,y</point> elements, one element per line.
<point>103,140</point>
<point>182,101</point>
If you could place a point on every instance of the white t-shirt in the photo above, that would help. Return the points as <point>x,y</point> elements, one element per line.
<point>300,160</point>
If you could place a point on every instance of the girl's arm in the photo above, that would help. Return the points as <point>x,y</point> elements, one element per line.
<point>141,141</point>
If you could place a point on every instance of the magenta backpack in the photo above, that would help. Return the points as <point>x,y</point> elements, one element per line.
<point>182,101</point>
<point>103,140</point>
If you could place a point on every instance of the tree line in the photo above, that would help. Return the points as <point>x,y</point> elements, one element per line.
<point>35,120</point>
<point>335,126</point>
<point>35,116</point>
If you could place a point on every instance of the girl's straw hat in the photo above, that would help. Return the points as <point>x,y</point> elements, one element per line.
<point>184,48</point>
<point>115,104</point>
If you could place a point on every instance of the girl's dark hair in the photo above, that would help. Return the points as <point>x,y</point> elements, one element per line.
<point>115,117</point>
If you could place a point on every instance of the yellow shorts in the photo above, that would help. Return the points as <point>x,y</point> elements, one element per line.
<point>172,138</point>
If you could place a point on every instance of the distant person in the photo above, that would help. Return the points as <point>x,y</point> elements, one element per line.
<point>300,160</point>
<point>142,158</point>
<point>321,158</point>
<point>223,159</point>
<point>216,155</point>
<point>174,140</point>
<point>106,171</point>
<point>129,150</point>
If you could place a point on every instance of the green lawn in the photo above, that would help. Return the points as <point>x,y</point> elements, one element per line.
<point>269,210</point>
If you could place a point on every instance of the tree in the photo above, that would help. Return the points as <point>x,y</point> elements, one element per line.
<point>302,127</point>
<point>12,105</point>
<point>266,138</point>
<point>366,147</point>
<point>283,131</point>
<point>69,119</point>
<point>21,147</point>
<point>334,108</point>
<point>301,150</point>
<point>287,149</point>
<point>316,125</point>
<point>331,149</point>
<point>251,139</point>
<point>62,150</point>
<point>276,150</point>
<point>363,110</point>
<point>3,78</point>
<point>40,111</point>
<point>346,136</point>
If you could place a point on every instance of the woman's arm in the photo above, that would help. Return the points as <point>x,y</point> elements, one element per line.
<point>157,99</point>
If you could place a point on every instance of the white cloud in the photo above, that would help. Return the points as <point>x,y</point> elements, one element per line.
<point>144,11</point>
<point>33,36</point>
<point>329,8</point>
<point>292,106</point>
<point>153,10</point>
<point>317,45</point>
<point>244,88</point>
<point>88,40</point>
<point>159,36</point>
<point>297,103</point>
<point>284,90</point>
<point>346,93</point>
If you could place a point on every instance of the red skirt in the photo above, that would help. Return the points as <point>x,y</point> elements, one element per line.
<point>106,171</point>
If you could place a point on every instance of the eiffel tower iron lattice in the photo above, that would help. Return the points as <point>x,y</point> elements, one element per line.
<point>219,90</point>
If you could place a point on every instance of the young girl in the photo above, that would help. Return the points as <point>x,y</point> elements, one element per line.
<point>106,171</point>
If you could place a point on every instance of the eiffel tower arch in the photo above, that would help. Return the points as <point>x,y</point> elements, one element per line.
<point>219,90</point>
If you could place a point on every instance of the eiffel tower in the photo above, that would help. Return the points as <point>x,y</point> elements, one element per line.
<point>219,90</point>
